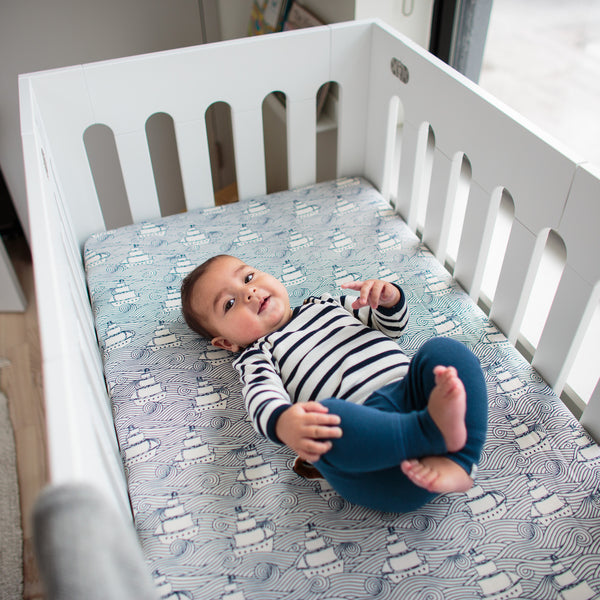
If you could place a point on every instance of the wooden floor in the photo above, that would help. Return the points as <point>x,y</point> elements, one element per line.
<point>21,382</point>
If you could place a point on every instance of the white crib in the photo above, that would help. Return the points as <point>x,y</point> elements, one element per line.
<point>455,141</point>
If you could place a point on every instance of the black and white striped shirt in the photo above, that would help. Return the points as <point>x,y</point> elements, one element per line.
<point>326,350</point>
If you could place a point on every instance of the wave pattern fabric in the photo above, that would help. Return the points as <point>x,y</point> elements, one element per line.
<point>219,511</point>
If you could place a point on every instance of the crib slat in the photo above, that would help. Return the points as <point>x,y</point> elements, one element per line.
<point>521,261</point>
<point>248,139</point>
<point>194,160</point>
<point>301,142</point>
<point>569,317</point>
<point>578,292</point>
<point>138,175</point>
<point>350,49</point>
<point>444,185</point>
<point>590,418</point>
<point>475,240</point>
<point>405,199</point>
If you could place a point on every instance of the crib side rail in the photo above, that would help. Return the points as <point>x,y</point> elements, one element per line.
<point>447,143</point>
<point>124,94</point>
<point>82,444</point>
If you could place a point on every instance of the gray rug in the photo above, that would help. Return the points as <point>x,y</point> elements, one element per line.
<point>11,534</point>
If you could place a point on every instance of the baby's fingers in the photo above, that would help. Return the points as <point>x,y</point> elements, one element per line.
<point>352,285</point>
<point>312,450</point>
<point>322,432</point>
<point>364,287</point>
<point>314,407</point>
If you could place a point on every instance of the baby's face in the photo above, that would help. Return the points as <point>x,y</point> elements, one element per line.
<point>238,303</point>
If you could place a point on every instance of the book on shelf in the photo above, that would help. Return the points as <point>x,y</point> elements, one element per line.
<point>299,17</point>
<point>267,16</point>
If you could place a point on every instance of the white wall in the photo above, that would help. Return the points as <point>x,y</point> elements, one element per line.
<point>42,34</point>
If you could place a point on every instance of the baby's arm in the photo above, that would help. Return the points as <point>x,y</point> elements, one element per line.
<point>380,304</point>
<point>374,293</point>
<point>306,427</point>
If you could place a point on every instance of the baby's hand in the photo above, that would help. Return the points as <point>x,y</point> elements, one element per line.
<point>306,427</point>
<point>374,293</point>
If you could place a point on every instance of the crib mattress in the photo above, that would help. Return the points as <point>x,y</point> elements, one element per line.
<point>218,509</point>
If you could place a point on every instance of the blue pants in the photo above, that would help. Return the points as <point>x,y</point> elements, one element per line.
<point>393,424</point>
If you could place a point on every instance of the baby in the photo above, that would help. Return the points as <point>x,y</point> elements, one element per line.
<point>329,380</point>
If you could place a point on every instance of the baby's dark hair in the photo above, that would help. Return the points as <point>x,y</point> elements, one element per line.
<point>187,285</point>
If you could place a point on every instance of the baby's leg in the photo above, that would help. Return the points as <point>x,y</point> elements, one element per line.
<point>437,474</point>
<point>452,472</point>
<point>447,406</point>
<point>374,440</point>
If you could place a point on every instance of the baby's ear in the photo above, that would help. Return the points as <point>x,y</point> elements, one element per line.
<point>222,342</point>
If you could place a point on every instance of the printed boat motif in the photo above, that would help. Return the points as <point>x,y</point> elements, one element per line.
<point>298,240</point>
<point>319,558</point>
<point>115,337</point>
<point>147,390</point>
<point>254,207</point>
<point>176,523</point>
<point>343,206</point>
<point>325,490</point>
<point>123,294</point>
<point>485,506</point>
<point>495,584</point>
<point>302,209</point>
<point>165,589</point>
<point>195,450</point>
<point>340,275</point>
<point>257,473</point>
<point>529,441</point>
<point>138,448</point>
<point>340,241</point>
<point>386,274</point>
<point>252,536</point>
<point>194,237</point>
<point>586,449</point>
<point>163,338</point>
<point>207,398</point>
<point>444,325</point>
<point>436,285</point>
<point>136,257</point>
<point>402,562</point>
<point>173,299</point>
<point>568,586</point>
<point>385,242</point>
<point>94,258</point>
<point>509,384</point>
<point>148,229</point>
<point>546,506</point>
<point>292,275</point>
<point>183,265</point>
<point>492,335</point>
<point>216,356</point>
<point>246,236</point>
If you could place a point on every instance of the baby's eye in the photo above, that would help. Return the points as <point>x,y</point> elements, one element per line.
<point>229,304</point>
<point>249,278</point>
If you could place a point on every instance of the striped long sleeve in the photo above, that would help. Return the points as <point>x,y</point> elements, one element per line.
<point>326,350</point>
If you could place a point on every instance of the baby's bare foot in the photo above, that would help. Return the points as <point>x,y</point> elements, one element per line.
<point>447,406</point>
<point>437,474</point>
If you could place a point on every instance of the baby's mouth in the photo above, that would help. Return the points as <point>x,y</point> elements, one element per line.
<point>263,304</point>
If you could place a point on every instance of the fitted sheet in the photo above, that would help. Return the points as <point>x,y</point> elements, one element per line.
<point>218,509</point>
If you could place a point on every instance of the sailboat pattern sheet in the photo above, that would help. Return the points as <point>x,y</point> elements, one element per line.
<point>219,511</point>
